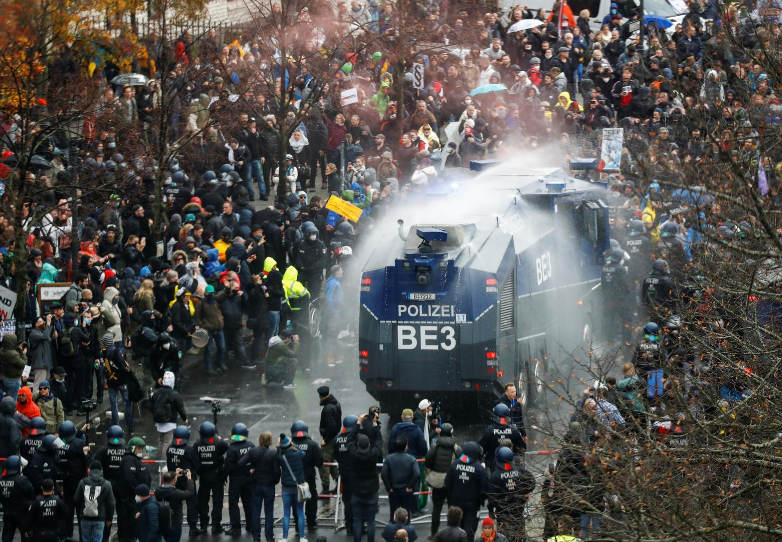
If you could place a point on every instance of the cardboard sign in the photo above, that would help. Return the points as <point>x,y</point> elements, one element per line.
<point>6,327</point>
<point>7,303</point>
<point>349,96</point>
<point>49,293</point>
<point>344,208</point>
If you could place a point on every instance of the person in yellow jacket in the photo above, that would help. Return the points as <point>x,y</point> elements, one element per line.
<point>650,219</point>
<point>297,297</point>
<point>223,243</point>
<point>565,530</point>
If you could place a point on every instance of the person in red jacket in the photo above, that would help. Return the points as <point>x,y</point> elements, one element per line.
<point>26,407</point>
<point>337,131</point>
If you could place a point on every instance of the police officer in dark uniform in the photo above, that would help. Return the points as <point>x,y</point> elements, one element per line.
<point>658,292</point>
<point>179,191</point>
<point>48,514</point>
<point>510,486</point>
<point>309,257</point>
<point>499,429</point>
<point>31,442</point>
<point>342,457</point>
<point>639,247</point>
<point>180,455</point>
<point>615,286</point>
<point>133,473</point>
<point>16,494</point>
<point>211,451</point>
<point>45,464</point>
<point>239,479</point>
<point>467,483</point>
<point>110,456</point>
<point>75,457</point>
<point>313,460</point>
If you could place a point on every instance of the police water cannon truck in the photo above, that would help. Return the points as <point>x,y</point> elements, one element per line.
<point>461,306</point>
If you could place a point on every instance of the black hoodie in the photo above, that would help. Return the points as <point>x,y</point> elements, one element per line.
<point>10,434</point>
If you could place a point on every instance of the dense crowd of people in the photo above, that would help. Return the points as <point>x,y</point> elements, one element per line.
<point>240,278</point>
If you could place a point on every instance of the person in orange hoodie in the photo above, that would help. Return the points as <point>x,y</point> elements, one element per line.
<point>26,407</point>
<point>567,13</point>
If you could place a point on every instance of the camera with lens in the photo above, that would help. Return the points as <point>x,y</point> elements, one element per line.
<point>87,405</point>
<point>217,406</point>
<point>374,414</point>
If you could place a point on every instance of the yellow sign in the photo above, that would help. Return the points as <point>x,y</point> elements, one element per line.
<point>344,208</point>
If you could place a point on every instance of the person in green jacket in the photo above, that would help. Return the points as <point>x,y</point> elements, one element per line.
<point>50,406</point>
<point>281,362</point>
<point>12,362</point>
<point>379,101</point>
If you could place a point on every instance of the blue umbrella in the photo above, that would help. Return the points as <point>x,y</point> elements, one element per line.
<point>485,89</point>
<point>659,20</point>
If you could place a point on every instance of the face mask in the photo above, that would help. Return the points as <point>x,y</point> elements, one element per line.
<point>87,321</point>
<point>613,12</point>
<point>111,145</point>
<point>167,346</point>
<point>313,236</point>
<point>140,454</point>
<point>467,102</point>
<point>115,300</point>
<point>606,79</point>
<point>138,499</point>
<point>230,183</point>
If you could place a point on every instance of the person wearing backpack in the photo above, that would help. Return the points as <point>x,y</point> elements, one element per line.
<point>438,461</point>
<point>117,376</point>
<point>94,502</point>
<point>148,517</point>
<point>166,406</point>
<point>177,487</point>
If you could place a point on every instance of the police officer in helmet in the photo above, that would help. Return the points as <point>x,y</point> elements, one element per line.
<point>467,483</point>
<point>181,455</point>
<point>499,429</point>
<point>16,495</point>
<point>239,479</point>
<point>133,473</point>
<point>615,287</point>
<point>110,456</point>
<point>310,257</point>
<point>342,457</point>
<point>313,460</point>
<point>74,458</point>
<point>658,292</point>
<point>510,486</point>
<point>45,464</point>
<point>210,450</point>
<point>31,442</point>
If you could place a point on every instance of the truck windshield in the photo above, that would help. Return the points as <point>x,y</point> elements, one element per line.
<point>661,8</point>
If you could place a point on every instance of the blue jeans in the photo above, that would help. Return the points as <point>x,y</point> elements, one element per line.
<point>92,530</point>
<point>590,523</point>
<point>289,500</point>
<point>12,387</point>
<point>263,496</point>
<point>123,391</point>
<point>219,338</point>
<point>274,323</point>
<point>256,174</point>
<point>174,534</point>
<point>364,510</point>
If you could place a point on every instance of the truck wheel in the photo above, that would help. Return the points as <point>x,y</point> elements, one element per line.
<point>314,320</point>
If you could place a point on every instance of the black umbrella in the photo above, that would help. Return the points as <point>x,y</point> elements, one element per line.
<point>10,160</point>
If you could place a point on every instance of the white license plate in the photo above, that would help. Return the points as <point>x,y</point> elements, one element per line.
<point>421,297</point>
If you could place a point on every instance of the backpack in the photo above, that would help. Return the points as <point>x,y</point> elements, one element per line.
<point>91,495</point>
<point>66,345</point>
<point>161,407</point>
<point>164,517</point>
